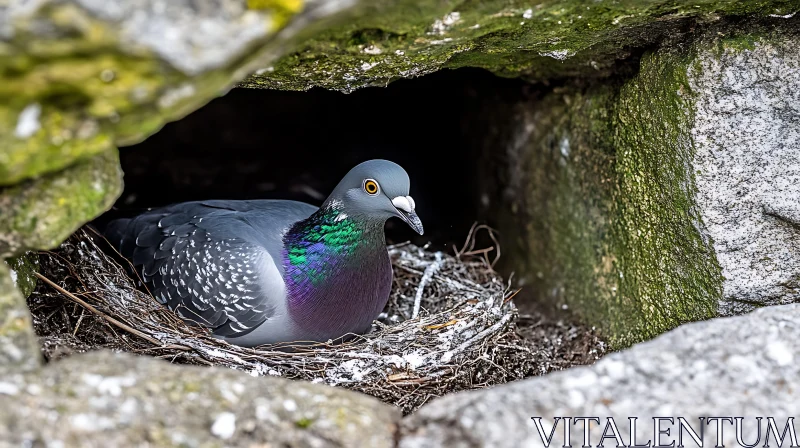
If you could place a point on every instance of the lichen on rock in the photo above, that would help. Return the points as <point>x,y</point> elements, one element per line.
<point>22,269</point>
<point>612,232</point>
<point>19,347</point>
<point>108,399</point>
<point>538,40</point>
<point>81,77</point>
<point>747,162</point>
<point>40,213</point>
<point>699,370</point>
<point>635,203</point>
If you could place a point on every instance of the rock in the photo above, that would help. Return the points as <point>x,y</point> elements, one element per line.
<point>83,76</point>
<point>665,198</point>
<point>40,213</point>
<point>22,269</point>
<point>537,40</point>
<point>746,139</point>
<point>106,399</point>
<point>19,347</point>
<point>741,366</point>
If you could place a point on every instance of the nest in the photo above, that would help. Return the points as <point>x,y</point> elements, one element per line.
<point>450,325</point>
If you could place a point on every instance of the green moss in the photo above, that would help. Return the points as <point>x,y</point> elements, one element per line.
<point>668,273</point>
<point>282,10</point>
<point>304,423</point>
<point>562,216</point>
<point>609,225</point>
<point>537,40</point>
<point>43,212</point>
<point>740,43</point>
<point>24,266</point>
<point>91,94</point>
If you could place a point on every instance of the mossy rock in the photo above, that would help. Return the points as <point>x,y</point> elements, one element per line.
<point>22,270</point>
<point>665,198</point>
<point>537,41</point>
<point>80,78</point>
<point>116,399</point>
<point>41,213</point>
<point>19,346</point>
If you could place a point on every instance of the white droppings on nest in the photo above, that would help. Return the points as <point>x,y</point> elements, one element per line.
<point>426,277</point>
<point>215,353</point>
<point>347,372</point>
<point>262,370</point>
<point>28,121</point>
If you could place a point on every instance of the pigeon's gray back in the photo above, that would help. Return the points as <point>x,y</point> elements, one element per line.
<point>217,263</point>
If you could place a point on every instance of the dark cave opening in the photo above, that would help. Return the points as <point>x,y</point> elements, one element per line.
<point>252,144</point>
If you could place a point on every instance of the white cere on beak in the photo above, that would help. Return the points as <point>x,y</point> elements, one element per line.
<point>404,203</point>
<point>411,200</point>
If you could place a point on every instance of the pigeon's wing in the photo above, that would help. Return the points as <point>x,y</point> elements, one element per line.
<point>207,276</point>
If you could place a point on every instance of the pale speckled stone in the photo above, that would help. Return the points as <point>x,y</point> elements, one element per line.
<point>193,36</point>
<point>19,347</point>
<point>747,158</point>
<point>736,366</point>
<point>103,399</point>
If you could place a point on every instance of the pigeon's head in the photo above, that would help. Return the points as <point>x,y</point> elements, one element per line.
<point>377,190</point>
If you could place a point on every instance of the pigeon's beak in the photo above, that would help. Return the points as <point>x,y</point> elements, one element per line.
<point>405,210</point>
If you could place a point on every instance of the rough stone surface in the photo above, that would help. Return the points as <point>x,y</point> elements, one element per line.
<point>103,399</point>
<point>78,77</point>
<point>746,136</point>
<point>40,213</point>
<point>19,347</point>
<point>665,198</point>
<point>742,366</point>
<point>537,40</point>
<point>599,207</point>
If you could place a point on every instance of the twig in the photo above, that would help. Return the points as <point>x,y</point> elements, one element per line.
<point>426,277</point>
<point>483,334</point>
<point>94,310</point>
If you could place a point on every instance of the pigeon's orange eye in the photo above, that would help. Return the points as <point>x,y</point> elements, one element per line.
<point>371,187</point>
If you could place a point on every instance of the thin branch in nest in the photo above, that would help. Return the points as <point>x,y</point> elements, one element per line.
<point>94,310</point>
<point>468,249</point>
<point>426,277</point>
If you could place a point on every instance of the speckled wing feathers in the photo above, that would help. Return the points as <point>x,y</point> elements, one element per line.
<point>208,277</point>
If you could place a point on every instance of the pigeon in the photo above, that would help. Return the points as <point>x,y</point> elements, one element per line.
<point>258,272</point>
